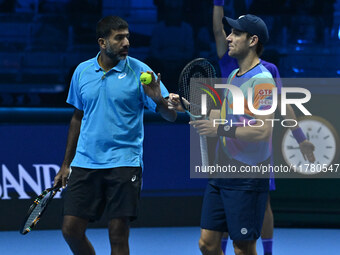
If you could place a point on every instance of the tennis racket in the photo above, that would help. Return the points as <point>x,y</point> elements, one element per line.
<point>37,209</point>
<point>193,83</point>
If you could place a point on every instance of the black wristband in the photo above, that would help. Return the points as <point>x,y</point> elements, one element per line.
<point>226,130</point>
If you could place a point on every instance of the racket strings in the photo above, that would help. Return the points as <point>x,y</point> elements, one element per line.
<point>36,212</point>
<point>194,76</point>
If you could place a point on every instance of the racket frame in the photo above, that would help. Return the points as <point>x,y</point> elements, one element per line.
<point>36,202</point>
<point>203,139</point>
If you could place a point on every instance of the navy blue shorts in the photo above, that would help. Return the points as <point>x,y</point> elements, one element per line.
<point>89,191</point>
<point>238,212</point>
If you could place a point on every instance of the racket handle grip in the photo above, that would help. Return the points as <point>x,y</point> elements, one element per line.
<point>204,150</point>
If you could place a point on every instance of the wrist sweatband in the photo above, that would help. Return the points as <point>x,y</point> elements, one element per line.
<point>219,2</point>
<point>299,135</point>
<point>226,130</point>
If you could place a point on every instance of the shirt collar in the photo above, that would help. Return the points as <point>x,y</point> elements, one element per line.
<point>96,64</point>
<point>118,68</point>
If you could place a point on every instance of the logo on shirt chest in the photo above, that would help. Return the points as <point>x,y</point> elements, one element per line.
<point>265,92</point>
<point>121,76</point>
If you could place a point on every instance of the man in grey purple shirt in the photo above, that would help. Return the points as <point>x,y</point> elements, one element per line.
<point>227,65</point>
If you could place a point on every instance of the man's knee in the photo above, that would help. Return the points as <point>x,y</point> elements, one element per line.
<point>245,247</point>
<point>70,232</point>
<point>116,239</point>
<point>73,228</point>
<point>208,247</point>
<point>119,231</point>
<point>204,247</point>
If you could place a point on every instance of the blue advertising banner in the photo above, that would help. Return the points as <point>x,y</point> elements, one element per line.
<point>31,154</point>
<point>32,145</point>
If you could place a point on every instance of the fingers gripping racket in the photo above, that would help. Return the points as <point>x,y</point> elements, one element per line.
<point>37,209</point>
<point>193,83</point>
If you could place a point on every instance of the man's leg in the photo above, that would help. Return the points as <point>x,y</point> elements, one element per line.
<point>268,229</point>
<point>245,247</point>
<point>210,242</point>
<point>119,236</point>
<point>74,233</point>
<point>245,218</point>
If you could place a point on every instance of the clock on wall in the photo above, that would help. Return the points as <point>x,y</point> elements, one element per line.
<point>319,132</point>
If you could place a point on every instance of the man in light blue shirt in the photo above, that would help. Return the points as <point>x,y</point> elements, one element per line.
<point>105,140</point>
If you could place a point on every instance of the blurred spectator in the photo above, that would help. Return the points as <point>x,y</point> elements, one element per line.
<point>272,14</point>
<point>161,9</point>
<point>301,23</point>
<point>266,7</point>
<point>323,12</point>
<point>26,6</point>
<point>82,15</point>
<point>7,6</point>
<point>52,6</point>
<point>240,8</point>
<point>201,22</point>
<point>172,44</point>
<point>310,19</point>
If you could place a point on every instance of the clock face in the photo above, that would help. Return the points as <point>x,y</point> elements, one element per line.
<point>322,135</point>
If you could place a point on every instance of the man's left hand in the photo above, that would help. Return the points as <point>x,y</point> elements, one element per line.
<point>153,89</point>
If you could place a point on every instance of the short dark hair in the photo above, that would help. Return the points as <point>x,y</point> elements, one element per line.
<point>109,23</point>
<point>259,47</point>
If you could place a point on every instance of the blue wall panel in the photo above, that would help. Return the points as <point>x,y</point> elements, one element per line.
<point>30,156</point>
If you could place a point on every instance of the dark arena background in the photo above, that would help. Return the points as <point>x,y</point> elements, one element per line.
<point>41,43</point>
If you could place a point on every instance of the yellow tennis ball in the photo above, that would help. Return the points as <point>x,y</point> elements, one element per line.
<point>145,78</point>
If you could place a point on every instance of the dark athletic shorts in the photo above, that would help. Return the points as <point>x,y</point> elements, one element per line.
<point>238,212</point>
<point>90,190</point>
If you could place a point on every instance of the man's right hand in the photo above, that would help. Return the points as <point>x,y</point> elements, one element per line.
<point>62,177</point>
<point>174,103</point>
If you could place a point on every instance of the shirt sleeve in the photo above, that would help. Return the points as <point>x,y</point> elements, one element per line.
<point>74,97</point>
<point>275,73</point>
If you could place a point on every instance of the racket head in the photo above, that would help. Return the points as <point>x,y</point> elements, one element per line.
<point>191,80</point>
<point>37,209</point>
